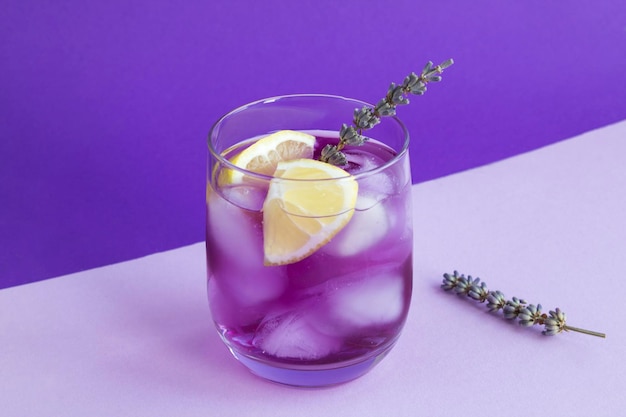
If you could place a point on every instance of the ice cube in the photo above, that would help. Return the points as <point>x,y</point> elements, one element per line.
<point>374,187</point>
<point>255,286</point>
<point>246,196</point>
<point>235,246</point>
<point>363,231</point>
<point>361,161</point>
<point>371,301</point>
<point>234,232</point>
<point>291,335</point>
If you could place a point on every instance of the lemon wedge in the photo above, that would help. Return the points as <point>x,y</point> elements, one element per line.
<point>264,154</point>
<point>302,215</point>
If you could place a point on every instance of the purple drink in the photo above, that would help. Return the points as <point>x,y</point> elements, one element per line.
<point>327,318</point>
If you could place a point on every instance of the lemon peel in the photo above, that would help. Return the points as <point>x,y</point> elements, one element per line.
<point>263,155</point>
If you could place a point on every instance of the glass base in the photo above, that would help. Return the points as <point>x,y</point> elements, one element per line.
<point>314,375</point>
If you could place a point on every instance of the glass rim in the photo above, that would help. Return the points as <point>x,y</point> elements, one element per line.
<point>229,165</point>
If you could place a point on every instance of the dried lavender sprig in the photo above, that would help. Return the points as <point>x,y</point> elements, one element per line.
<point>368,117</point>
<point>527,314</point>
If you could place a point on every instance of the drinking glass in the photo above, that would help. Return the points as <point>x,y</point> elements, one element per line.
<point>332,316</point>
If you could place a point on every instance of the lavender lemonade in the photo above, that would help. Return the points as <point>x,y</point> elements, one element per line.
<point>309,234</point>
<point>330,316</point>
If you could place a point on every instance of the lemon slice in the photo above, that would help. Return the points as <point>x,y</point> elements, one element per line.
<point>263,155</point>
<point>301,216</point>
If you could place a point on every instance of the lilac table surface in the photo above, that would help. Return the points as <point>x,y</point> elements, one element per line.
<point>136,338</point>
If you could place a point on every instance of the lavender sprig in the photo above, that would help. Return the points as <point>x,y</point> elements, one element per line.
<point>368,117</point>
<point>527,314</point>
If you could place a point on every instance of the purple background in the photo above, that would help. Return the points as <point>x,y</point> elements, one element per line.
<point>105,107</point>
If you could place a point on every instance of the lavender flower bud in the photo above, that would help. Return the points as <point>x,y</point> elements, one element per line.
<point>530,315</point>
<point>495,301</point>
<point>513,307</point>
<point>450,281</point>
<point>383,108</point>
<point>410,81</point>
<point>464,285</point>
<point>395,95</point>
<point>445,64</point>
<point>365,118</point>
<point>418,89</point>
<point>330,154</point>
<point>555,324</point>
<point>349,136</point>
<point>478,292</point>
